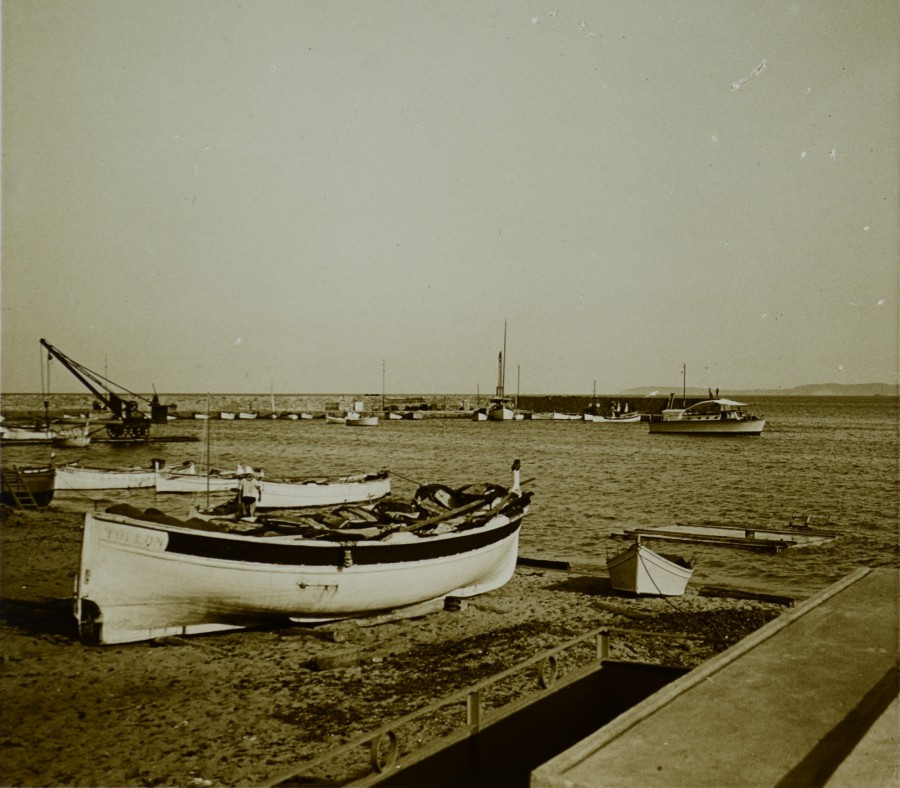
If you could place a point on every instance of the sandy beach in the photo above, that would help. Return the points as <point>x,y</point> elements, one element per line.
<point>243,707</point>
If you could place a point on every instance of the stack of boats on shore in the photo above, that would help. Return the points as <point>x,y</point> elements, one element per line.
<point>145,574</point>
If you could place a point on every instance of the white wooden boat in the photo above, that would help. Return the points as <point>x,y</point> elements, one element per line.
<point>22,434</point>
<point>363,421</point>
<point>68,436</point>
<point>323,491</point>
<point>247,415</point>
<point>146,575</point>
<point>290,416</point>
<point>639,570</point>
<point>329,419</point>
<point>74,476</point>
<point>480,415</point>
<point>73,437</point>
<point>202,416</point>
<point>227,415</point>
<point>283,493</point>
<point>306,416</point>
<point>176,481</point>
<point>710,417</point>
<point>501,409</point>
<point>624,418</point>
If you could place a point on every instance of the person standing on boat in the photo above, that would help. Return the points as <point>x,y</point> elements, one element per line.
<point>249,493</point>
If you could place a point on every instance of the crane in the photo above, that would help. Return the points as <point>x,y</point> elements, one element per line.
<point>130,422</point>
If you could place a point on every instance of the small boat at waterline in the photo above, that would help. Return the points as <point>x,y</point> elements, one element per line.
<point>145,575</point>
<point>176,480</point>
<point>624,418</point>
<point>74,476</point>
<point>639,570</point>
<point>363,421</point>
<point>282,493</point>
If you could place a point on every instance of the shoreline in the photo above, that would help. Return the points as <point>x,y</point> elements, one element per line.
<point>241,707</point>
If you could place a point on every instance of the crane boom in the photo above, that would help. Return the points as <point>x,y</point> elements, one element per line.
<point>130,423</point>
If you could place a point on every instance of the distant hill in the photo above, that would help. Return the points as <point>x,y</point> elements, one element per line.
<point>811,390</point>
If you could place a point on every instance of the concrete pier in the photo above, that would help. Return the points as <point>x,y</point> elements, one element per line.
<point>809,699</point>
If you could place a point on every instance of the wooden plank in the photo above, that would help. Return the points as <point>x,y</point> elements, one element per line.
<point>738,593</point>
<point>725,541</point>
<point>543,563</point>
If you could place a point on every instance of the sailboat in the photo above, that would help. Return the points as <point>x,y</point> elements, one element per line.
<point>274,413</point>
<point>501,408</point>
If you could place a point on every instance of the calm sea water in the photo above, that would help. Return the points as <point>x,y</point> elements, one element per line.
<point>835,459</point>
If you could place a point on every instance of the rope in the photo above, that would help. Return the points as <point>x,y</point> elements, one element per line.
<point>406,478</point>
<point>669,601</point>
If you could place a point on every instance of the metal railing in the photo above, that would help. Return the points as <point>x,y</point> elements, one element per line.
<point>383,744</point>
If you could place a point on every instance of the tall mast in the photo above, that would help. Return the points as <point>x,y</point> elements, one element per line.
<point>503,364</point>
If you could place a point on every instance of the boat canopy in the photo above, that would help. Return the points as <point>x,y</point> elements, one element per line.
<point>715,406</point>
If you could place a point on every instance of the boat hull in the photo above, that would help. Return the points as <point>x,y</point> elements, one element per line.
<point>324,492</point>
<point>140,580</point>
<point>501,414</point>
<point>178,482</point>
<point>363,421</point>
<point>639,570</point>
<point>707,427</point>
<point>287,493</point>
<point>77,477</point>
<point>19,482</point>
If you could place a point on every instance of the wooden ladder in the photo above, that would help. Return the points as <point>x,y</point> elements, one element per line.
<point>16,486</point>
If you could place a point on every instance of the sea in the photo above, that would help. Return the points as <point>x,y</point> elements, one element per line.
<point>832,459</point>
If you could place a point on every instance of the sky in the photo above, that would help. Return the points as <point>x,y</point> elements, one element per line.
<point>358,196</point>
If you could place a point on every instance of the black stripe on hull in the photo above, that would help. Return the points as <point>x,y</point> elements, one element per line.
<point>257,551</point>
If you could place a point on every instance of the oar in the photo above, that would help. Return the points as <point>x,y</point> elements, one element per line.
<point>469,507</point>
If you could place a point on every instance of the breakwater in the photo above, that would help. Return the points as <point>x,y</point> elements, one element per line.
<point>24,406</point>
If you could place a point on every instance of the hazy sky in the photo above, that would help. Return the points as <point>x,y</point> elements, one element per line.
<point>233,196</point>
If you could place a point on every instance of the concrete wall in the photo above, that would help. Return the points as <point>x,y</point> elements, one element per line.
<point>526,735</point>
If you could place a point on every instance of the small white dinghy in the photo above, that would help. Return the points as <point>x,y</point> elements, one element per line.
<point>639,570</point>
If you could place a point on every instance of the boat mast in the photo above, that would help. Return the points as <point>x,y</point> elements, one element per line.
<point>382,385</point>
<point>518,384</point>
<point>501,364</point>
<point>683,384</point>
<point>207,449</point>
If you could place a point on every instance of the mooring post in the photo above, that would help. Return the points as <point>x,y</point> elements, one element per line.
<point>603,645</point>
<point>473,710</point>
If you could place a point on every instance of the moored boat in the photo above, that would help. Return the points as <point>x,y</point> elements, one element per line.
<point>710,417</point>
<point>27,486</point>
<point>622,418</point>
<point>74,476</point>
<point>323,491</point>
<point>640,570</point>
<point>286,493</point>
<point>176,480</point>
<point>145,575</point>
<point>363,421</point>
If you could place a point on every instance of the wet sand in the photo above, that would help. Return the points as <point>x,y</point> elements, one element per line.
<point>242,707</point>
